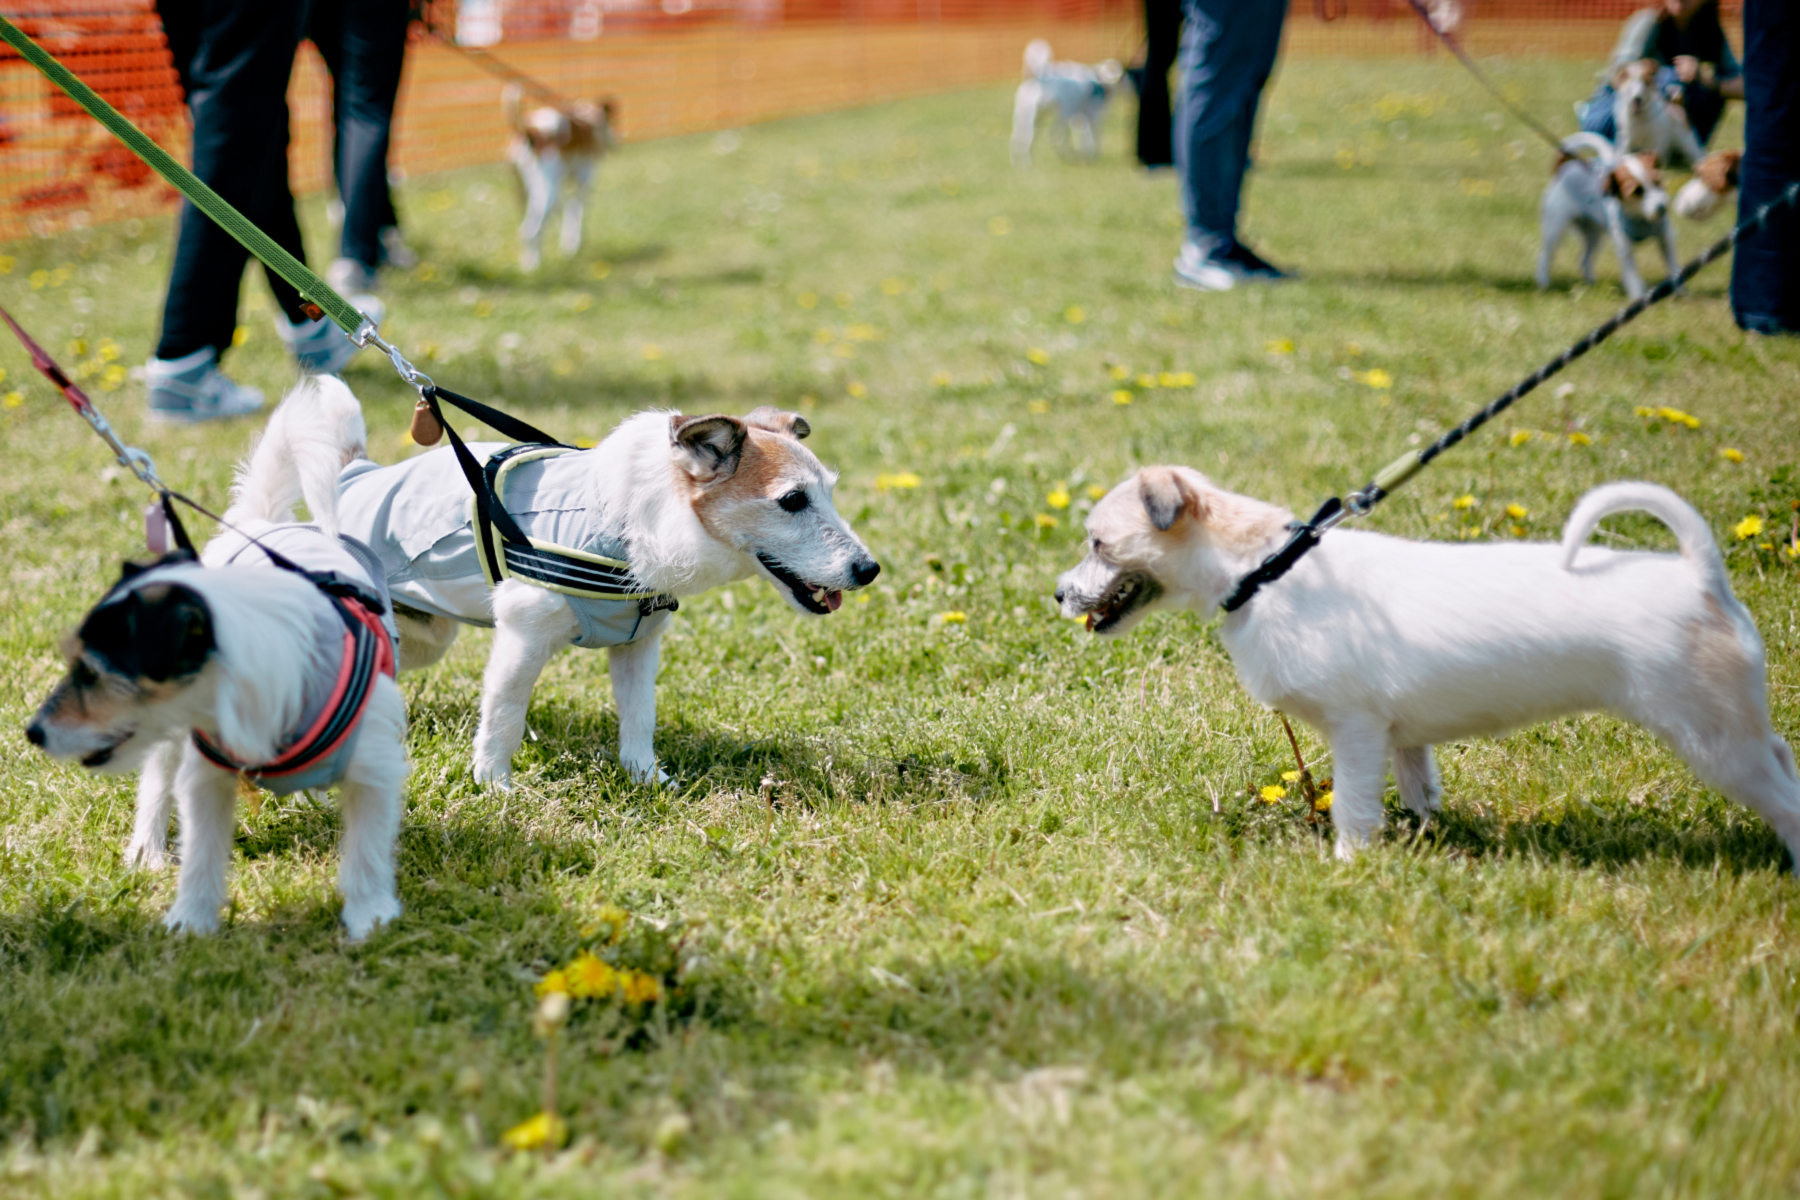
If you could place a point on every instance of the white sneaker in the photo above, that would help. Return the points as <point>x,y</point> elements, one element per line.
<point>346,275</point>
<point>192,388</point>
<point>320,347</point>
<point>1202,270</point>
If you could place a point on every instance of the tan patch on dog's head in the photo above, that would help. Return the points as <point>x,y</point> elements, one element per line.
<point>729,460</point>
<point>1642,70</point>
<point>1719,170</point>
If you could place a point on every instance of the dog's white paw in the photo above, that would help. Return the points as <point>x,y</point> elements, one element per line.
<point>488,773</point>
<point>146,855</point>
<point>192,918</point>
<point>647,772</point>
<point>360,920</point>
<point>1347,848</point>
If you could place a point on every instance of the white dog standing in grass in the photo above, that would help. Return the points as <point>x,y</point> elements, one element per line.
<point>688,503</point>
<point>1388,646</point>
<point>552,147</point>
<point>259,662</point>
<point>1076,93</point>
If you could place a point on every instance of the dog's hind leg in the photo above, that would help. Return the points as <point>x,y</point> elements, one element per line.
<point>424,637</point>
<point>207,797</point>
<point>369,800</point>
<point>581,179</point>
<point>1553,236</point>
<point>530,626</point>
<point>543,180</point>
<point>633,670</point>
<point>1083,136</point>
<point>155,797</point>
<point>1416,775</point>
<point>1359,750</point>
<point>1590,245</point>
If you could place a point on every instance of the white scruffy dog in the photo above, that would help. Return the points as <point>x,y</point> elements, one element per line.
<point>696,501</point>
<point>1388,646</point>
<point>243,654</point>
<point>1075,92</point>
<point>1608,195</point>
<point>1646,123</point>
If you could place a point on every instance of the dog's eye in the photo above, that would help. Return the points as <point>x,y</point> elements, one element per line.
<point>794,501</point>
<point>82,675</point>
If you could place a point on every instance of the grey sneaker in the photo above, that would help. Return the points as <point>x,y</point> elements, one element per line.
<point>193,389</point>
<point>1205,269</point>
<point>347,276</point>
<point>320,347</point>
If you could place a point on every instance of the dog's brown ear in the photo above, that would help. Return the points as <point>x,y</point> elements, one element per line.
<point>1650,169</point>
<point>774,420</point>
<point>1719,170</point>
<point>708,448</point>
<point>1167,496</point>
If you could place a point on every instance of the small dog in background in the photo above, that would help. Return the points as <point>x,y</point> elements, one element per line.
<point>1620,195</point>
<point>194,672</point>
<point>1075,92</point>
<point>1388,647</point>
<point>1715,179</point>
<point>1647,122</point>
<point>551,147</point>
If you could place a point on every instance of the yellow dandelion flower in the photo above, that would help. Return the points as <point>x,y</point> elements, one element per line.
<point>588,976</point>
<point>999,226</point>
<point>940,379</point>
<point>581,302</point>
<point>1146,382</point>
<point>484,309</point>
<point>1517,512</point>
<point>1035,355</point>
<point>953,618</point>
<point>843,299</point>
<point>844,350</point>
<point>652,352</point>
<point>1580,439</point>
<point>824,337</point>
<point>1279,346</point>
<point>599,270</point>
<point>1642,411</point>
<point>585,443</point>
<point>545,1129</point>
<point>862,333</point>
<point>1375,377</point>
<point>1353,349</point>
<point>1058,498</point>
<point>1290,777</point>
<point>1095,491</point>
<point>1166,379</point>
<point>109,352</point>
<point>1323,803</point>
<point>857,390</point>
<point>13,399</point>
<point>1121,397</point>
<point>1045,521</point>
<point>112,377</point>
<point>899,479</point>
<point>807,300</point>
<point>1520,437</point>
<point>555,981</point>
<point>7,263</point>
<point>1119,371</point>
<point>613,915</point>
<point>1518,531</point>
<point>893,285</point>
<point>1271,792</point>
<point>39,278</point>
<point>638,988</point>
<point>1748,528</point>
<point>1730,455</point>
<point>1792,549</point>
<point>1467,500</point>
<point>1074,314</point>
<point>1676,417</point>
<point>1038,407</point>
<point>1184,379</point>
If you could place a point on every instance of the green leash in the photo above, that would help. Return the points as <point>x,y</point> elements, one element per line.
<point>318,294</point>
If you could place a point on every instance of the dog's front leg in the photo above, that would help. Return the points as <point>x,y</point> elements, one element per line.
<point>530,625</point>
<point>1359,749</point>
<point>581,174</point>
<point>1416,775</point>
<point>1628,269</point>
<point>633,669</point>
<point>207,797</point>
<point>1670,262</point>
<point>155,797</point>
<point>369,800</point>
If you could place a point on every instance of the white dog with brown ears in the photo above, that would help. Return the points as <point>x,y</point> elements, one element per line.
<point>1387,647</point>
<point>676,504</point>
<point>551,147</point>
<point>191,673</point>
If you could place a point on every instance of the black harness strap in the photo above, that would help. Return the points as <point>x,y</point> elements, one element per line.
<point>1302,536</point>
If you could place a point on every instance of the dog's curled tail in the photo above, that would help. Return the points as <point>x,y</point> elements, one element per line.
<point>314,433</point>
<point>1690,528</point>
<point>1038,56</point>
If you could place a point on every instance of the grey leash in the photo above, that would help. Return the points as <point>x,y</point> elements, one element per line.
<point>1303,536</point>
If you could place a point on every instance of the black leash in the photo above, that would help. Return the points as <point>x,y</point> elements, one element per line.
<point>1454,45</point>
<point>1304,535</point>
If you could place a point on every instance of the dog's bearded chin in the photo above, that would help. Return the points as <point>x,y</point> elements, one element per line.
<point>811,597</point>
<point>1128,594</point>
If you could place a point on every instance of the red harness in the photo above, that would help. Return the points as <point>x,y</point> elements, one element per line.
<point>368,651</point>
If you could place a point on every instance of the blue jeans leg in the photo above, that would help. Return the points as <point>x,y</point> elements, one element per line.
<point>1765,270</point>
<point>1228,50</point>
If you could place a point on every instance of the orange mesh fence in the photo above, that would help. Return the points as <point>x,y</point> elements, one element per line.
<point>675,66</point>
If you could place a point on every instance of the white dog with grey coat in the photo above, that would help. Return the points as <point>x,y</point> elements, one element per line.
<point>1608,195</point>
<point>1388,647</point>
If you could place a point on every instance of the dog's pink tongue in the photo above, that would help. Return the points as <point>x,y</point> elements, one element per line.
<point>833,600</point>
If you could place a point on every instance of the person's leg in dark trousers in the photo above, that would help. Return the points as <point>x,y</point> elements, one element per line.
<point>238,96</point>
<point>1228,50</point>
<point>1765,272</point>
<point>364,45</point>
<point>1155,128</point>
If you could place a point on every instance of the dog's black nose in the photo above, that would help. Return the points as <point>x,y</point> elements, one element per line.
<point>865,572</point>
<point>34,733</point>
<point>1058,593</point>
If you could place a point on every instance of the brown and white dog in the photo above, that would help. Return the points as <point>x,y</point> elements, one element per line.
<point>1646,122</point>
<point>551,147</point>
<point>1616,195</point>
<point>1388,647</point>
<point>1715,179</point>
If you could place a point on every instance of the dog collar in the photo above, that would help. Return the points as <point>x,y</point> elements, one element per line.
<point>1302,536</point>
<point>367,652</point>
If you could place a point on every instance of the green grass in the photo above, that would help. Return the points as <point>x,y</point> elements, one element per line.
<point>1013,924</point>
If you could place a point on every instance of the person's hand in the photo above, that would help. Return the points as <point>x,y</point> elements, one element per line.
<point>1687,68</point>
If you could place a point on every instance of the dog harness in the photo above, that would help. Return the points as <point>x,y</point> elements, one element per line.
<point>533,521</point>
<point>348,574</point>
